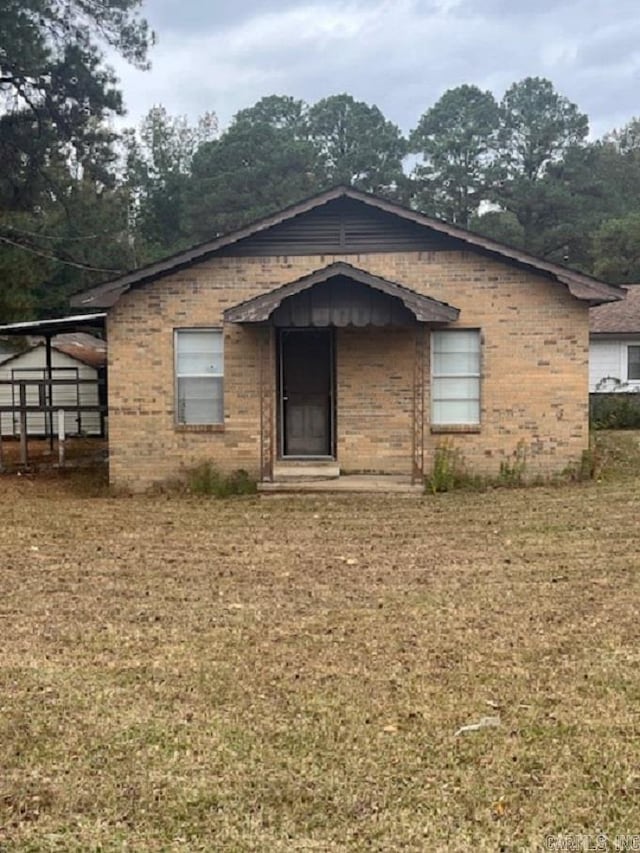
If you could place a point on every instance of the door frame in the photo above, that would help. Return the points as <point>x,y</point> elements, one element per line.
<point>330,332</point>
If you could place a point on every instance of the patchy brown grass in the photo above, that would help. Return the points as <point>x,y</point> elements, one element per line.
<point>41,457</point>
<point>289,674</point>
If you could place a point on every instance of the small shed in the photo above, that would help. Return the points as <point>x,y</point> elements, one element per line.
<point>74,356</point>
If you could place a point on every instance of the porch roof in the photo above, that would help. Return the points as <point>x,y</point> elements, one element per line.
<point>340,313</point>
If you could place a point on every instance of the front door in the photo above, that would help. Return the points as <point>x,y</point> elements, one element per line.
<point>306,392</point>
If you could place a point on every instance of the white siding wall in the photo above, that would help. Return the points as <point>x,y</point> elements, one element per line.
<point>608,360</point>
<point>30,365</point>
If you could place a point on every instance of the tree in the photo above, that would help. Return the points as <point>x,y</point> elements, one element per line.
<point>158,160</point>
<point>54,89</point>
<point>499,225</point>
<point>62,248</point>
<point>617,249</point>
<point>55,145</point>
<point>625,139</point>
<point>280,111</point>
<point>537,129</point>
<point>456,138</point>
<point>262,162</point>
<point>356,145</point>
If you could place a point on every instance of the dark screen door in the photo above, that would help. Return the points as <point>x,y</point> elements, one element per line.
<point>306,380</point>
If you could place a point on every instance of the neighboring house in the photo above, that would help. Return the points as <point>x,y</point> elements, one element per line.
<point>73,356</point>
<point>348,331</point>
<point>614,356</point>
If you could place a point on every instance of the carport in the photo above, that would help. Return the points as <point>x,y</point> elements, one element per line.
<point>48,329</point>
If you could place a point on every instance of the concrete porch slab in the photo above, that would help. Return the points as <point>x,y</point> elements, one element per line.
<point>372,483</point>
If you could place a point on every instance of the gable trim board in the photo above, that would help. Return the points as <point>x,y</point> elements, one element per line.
<point>466,344</point>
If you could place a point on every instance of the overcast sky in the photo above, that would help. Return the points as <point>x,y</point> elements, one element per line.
<point>223,55</point>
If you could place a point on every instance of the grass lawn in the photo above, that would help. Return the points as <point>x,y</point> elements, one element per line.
<point>269,674</point>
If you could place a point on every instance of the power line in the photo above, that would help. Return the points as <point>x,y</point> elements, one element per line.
<point>57,236</point>
<point>51,257</point>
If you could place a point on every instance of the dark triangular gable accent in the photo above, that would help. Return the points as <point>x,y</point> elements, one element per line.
<point>423,308</point>
<point>343,226</point>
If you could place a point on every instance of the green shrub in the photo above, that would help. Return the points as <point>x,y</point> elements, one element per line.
<point>448,469</point>
<point>206,479</point>
<point>512,470</point>
<point>615,411</point>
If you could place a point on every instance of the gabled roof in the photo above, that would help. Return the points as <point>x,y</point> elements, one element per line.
<point>581,286</point>
<point>618,317</point>
<point>424,308</point>
<point>86,348</point>
<point>89,351</point>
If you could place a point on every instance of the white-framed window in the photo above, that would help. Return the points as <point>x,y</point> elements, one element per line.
<point>455,377</point>
<point>633,363</point>
<point>199,369</point>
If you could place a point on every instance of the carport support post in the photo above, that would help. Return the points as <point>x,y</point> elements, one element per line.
<point>49,397</point>
<point>61,438</point>
<point>24,458</point>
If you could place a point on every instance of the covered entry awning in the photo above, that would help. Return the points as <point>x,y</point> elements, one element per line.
<point>341,295</point>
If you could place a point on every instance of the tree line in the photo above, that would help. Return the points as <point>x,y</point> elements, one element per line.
<point>80,203</point>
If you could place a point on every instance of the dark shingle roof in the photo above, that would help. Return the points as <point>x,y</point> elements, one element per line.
<point>617,317</point>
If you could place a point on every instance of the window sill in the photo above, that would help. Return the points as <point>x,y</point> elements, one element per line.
<point>455,428</point>
<point>199,427</point>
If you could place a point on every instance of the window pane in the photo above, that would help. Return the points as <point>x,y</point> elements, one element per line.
<point>199,353</point>
<point>456,412</point>
<point>194,341</point>
<point>204,363</point>
<point>455,389</point>
<point>200,401</point>
<point>466,340</point>
<point>633,364</point>
<point>456,363</point>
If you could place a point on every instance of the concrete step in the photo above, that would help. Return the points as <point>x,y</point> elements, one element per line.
<point>364,483</point>
<point>294,470</point>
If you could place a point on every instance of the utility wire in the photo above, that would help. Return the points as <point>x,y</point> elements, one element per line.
<point>57,236</point>
<point>51,257</point>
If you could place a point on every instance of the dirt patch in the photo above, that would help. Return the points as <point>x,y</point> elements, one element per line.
<point>42,456</point>
<point>279,675</point>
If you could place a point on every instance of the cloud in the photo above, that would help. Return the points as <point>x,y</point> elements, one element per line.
<point>400,54</point>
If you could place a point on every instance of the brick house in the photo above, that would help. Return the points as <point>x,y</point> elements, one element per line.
<point>352,333</point>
